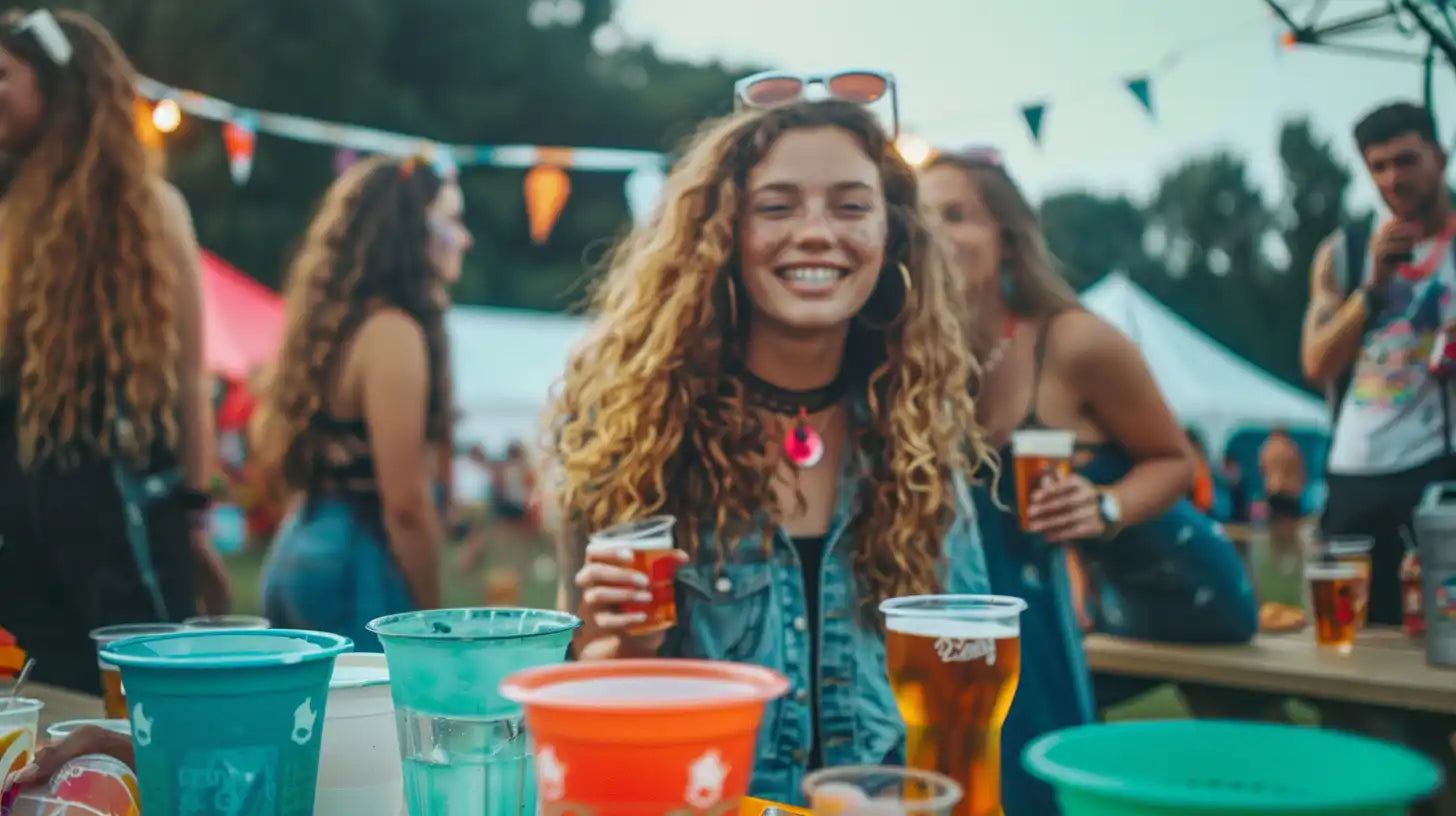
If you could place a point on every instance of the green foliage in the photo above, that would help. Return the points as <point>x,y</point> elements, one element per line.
<point>1209,246</point>
<point>460,71</point>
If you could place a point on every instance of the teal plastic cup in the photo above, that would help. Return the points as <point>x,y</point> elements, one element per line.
<point>463,745</point>
<point>1227,768</point>
<point>227,722</point>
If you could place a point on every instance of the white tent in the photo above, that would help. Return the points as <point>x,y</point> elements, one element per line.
<point>1208,386</point>
<point>505,363</point>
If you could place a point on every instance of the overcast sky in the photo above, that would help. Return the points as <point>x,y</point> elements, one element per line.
<point>966,66</point>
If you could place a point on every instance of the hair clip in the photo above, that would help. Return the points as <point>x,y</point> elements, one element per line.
<point>407,166</point>
<point>42,26</point>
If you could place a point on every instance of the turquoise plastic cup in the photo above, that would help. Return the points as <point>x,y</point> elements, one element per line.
<point>1227,768</point>
<point>463,745</point>
<point>227,721</point>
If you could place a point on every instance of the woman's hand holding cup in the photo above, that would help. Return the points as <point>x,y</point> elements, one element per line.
<point>627,600</point>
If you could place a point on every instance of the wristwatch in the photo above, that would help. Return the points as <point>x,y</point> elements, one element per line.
<point>1110,511</point>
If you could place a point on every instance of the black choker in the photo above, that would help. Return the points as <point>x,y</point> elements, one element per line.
<point>790,402</point>
<point>803,446</point>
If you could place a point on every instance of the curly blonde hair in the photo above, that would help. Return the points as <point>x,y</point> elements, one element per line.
<point>651,417</point>
<point>87,330</point>
<point>367,247</point>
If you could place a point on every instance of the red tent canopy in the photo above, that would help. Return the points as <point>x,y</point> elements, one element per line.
<point>242,319</point>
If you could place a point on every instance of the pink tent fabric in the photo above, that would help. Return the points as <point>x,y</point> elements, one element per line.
<point>242,319</point>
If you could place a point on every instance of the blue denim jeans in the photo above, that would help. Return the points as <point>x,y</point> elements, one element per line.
<point>331,570</point>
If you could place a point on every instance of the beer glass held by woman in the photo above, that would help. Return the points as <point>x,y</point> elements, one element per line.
<point>778,364</point>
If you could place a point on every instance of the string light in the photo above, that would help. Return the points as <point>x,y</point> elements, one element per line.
<point>166,116</point>
<point>915,150</point>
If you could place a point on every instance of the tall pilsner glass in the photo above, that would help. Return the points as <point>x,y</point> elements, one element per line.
<point>954,662</point>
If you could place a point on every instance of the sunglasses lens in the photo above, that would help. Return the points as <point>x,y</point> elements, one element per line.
<point>858,87</point>
<point>773,91</point>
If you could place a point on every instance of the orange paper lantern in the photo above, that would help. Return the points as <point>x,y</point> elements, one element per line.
<point>547,188</point>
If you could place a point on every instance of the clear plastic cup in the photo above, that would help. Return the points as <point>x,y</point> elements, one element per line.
<point>1037,455</point>
<point>113,694</point>
<point>1355,550</point>
<point>873,790</point>
<point>61,730</point>
<point>19,724</point>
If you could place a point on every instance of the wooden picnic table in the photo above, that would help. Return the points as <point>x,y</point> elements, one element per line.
<point>63,704</point>
<point>1385,668</point>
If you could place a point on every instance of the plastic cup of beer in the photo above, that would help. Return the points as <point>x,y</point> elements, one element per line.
<point>1355,550</point>
<point>248,622</point>
<point>1333,588</point>
<point>1037,455</point>
<point>112,693</point>
<point>878,790</point>
<point>954,662</point>
<point>650,544</point>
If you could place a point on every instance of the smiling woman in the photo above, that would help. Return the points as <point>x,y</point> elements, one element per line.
<point>779,364</point>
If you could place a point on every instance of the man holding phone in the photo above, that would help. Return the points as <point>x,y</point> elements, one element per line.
<point>1378,301</point>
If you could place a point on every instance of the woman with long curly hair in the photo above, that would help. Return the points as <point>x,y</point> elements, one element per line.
<point>105,413</point>
<point>786,289</point>
<point>359,402</point>
<point>1160,569</point>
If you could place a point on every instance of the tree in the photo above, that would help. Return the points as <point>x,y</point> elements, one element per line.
<point>1315,183</point>
<point>1214,227</point>
<point>1314,191</point>
<point>502,72</point>
<point>1092,235</point>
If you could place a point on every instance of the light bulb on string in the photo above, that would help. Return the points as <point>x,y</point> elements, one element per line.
<point>166,116</point>
<point>915,150</point>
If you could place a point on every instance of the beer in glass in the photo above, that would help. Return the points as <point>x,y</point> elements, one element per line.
<point>650,544</point>
<point>954,662</point>
<point>1355,550</point>
<point>1038,454</point>
<point>112,694</point>
<point>1333,587</point>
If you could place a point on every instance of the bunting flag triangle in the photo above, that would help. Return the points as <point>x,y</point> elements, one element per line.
<point>1034,114</point>
<point>1141,87</point>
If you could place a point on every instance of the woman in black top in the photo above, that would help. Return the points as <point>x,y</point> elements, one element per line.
<point>104,403</point>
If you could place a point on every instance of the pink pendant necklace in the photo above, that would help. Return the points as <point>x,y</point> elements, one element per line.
<point>803,444</point>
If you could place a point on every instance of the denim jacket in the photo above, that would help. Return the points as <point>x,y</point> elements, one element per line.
<point>752,609</point>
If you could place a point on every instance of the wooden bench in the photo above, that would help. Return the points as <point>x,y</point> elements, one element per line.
<point>1386,668</point>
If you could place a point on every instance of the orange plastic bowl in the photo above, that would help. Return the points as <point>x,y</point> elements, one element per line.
<point>626,737</point>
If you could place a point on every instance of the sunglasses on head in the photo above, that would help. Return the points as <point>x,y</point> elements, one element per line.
<point>45,31</point>
<point>863,86</point>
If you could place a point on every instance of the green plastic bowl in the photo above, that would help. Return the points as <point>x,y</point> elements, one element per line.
<point>1206,767</point>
